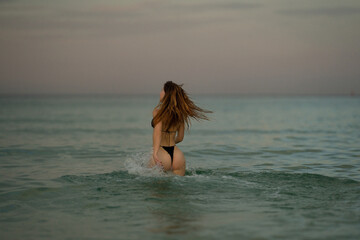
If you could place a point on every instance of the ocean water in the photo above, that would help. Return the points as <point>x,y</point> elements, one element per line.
<point>73,167</point>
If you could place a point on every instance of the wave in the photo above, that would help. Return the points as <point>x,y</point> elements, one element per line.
<point>264,177</point>
<point>135,172</point>
<point>62,126</point>
<point>227,150</point>
<point>66,130</point>
<point>261,131</point>
<point>271,185</point>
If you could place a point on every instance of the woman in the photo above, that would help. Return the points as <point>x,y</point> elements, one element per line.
<point>174,110</point>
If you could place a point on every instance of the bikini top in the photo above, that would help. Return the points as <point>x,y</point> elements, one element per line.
<point>152,124</point>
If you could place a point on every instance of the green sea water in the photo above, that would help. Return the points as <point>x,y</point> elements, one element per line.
<point>73,167</point>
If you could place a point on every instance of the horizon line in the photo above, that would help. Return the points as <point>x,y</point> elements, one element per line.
<point>351,94</point>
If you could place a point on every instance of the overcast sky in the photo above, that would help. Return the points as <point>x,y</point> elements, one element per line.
<point>134,46</point>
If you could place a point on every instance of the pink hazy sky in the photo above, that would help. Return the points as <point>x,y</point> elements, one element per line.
<point>223,47</point>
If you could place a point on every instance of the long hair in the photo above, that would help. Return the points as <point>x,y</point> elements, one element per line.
<point>177,108</point>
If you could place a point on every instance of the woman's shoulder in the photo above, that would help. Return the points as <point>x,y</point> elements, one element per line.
<point>155,111</point>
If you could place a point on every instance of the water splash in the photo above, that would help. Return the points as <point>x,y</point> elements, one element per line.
<point>138,164</point>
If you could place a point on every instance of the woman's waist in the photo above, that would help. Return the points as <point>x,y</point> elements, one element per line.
<point>168,143</point>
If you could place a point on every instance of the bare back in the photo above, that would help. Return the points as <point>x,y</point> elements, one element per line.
<point>170,138</point>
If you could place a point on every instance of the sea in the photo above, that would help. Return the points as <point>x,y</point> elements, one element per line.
<point>263,167</point>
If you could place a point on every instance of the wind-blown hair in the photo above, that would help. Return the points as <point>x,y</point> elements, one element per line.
<point>177,108</point>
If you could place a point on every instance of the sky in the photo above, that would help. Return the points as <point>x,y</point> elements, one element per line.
<point>212,47</point>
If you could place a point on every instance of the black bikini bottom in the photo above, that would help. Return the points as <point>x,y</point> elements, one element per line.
<point>170,150</point>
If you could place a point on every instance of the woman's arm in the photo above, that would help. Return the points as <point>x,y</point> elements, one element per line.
<point>156,139</point>
<point>180,134</point>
